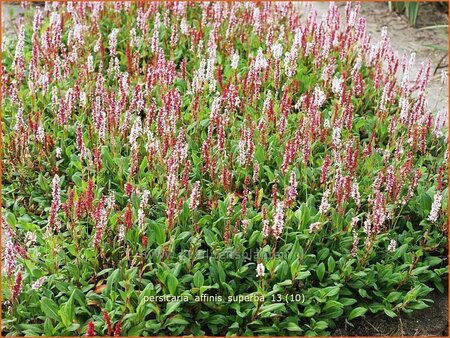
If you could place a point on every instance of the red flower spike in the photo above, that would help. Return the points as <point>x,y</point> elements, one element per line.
<point>107,319</point>
<point>90,331</point>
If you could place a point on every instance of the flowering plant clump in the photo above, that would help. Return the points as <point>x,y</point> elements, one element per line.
<point>214,169</point>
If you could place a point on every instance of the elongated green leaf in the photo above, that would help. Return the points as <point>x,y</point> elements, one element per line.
<point>50,308</point>
<point>172,283</point>
<point>320,271</point>
<point>198,279</point>
<point>357,312</point>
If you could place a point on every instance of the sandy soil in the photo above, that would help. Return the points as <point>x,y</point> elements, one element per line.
<point>9,9</point>
<point>426,43</point>
<point>432,321</point>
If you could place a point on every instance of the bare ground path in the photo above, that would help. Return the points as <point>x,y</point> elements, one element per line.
<point>426,43</point>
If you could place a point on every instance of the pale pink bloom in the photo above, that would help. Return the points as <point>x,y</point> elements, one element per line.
<point>19,59</point>
<point>379,212</point>
<point>9,256</point>
<point>183,26</point>
<point>141,215</point>
<point>255,172</point>
<point>292,189</point>
<point>246,147</point>
<point>19,118</point>
<point>121,234</point>
<point>435,207</point>
<point>260,270</point>
<point>100,218</point>
<point>37,284</point>
<point>390,180</point>
<point>440,122</point>
<point>79,141</point>
<point>314,227</point>
<point>136,131</point>
<point>90,63</point>
<point>58,153</point>
<point>110,201</point>
<point>278,221</point>
<point>245,223</point>
<point>266,228</point>
<point>277,50</point>
<point>235,60</point>
<point>113,42</point>
<point>56,202</point>
<point>324,205</point>
<point>40,134</point>
<point>354,243</point>
<point>336,85</point>
<point>392,245</point>
<point>194,199</point>
<point>355,193</point>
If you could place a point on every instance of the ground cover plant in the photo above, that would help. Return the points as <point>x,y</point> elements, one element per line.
<point>215,169</point>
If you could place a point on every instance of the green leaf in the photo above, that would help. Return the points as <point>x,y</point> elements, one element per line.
<point>31,329</point>
<point>331,291</point>
<point>303,274</point>
<point>76,178</point>
<point>48,327</point>
<point>292,327</point>
<point>323,253</point>
<point>295,251</point>
<point>11,219</point>
<point>320,325</point>
<point>390,313</point>
<point>209,237</point>
<point>259,154</point>
<point>50,308</point>
<point>320,271</point>
<point>176,320</point>
<point>172,283</point>
<point>217,270</point>
<point>333,312</point>
<point>357,312</point>
<point>107,157</point>
<point>394,296</point>
<point>199,280</point>
<point>347,301</point>
<point>171,307</point>
<point>309,311</point>
<point>256,237</point>
<point>419,270</point>
<point>400,251</point>
<point>331,264</point>
<point>431,260</point>
<point>218,320</point>
<point>73,327</point>
<point>136,330</point>
<point>67,311</point>
<point>113,277</point>
<point>160,236</point>
<point>271,307</point>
